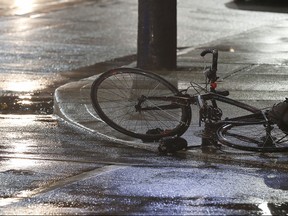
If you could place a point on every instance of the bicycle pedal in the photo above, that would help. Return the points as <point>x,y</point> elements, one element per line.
<point>172,144</point>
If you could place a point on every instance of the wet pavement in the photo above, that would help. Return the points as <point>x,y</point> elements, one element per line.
<point>80,174</point>
<point>72,163</point>
<point>141,190</point>
<point>47,46</point>
<point>253,67</point>
<point>32,8</point>
<point>41,45</point>
<point>249,68</point>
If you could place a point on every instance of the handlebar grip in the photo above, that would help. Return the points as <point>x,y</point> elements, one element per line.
<point>214,52</point>
<point>206,51</point>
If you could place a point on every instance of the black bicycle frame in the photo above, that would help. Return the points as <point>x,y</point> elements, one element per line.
<point>186,100</point>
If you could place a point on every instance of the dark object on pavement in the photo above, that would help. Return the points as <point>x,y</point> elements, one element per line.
<point>151,132</point>
<point>171,144</point>
<point>279,115</point>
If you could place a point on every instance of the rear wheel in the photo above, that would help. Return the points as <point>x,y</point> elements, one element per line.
<point>258,136</point>
<point>121,99</point>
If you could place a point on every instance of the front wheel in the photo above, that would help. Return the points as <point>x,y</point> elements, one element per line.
<point>258,136</point>
<point>123,98</point>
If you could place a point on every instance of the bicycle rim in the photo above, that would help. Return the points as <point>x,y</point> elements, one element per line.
<point>115,94</point>
<point>253,137</point>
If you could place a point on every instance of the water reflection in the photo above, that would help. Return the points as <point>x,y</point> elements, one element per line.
<point>23,6</point>
<point>27,104</point>
<point>20,164</point>
<point>20,147</point>
<point>265,209</point>
<point>277,180</point>
<point>22,85</point>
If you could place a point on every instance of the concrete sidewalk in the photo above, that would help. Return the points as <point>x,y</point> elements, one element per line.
<point>253,66</point>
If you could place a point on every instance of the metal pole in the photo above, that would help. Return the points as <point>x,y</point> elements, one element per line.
<point>157,34</point>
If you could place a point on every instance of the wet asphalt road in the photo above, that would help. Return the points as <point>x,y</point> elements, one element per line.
<point>47,167</point>
<point>46,43</point>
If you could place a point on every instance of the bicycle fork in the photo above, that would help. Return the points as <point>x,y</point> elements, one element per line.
<point>206,115</point>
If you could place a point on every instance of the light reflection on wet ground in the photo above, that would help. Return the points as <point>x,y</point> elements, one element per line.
<point>169,190</point>
<point>33,93</point>
<point>26,104</point>
<point>131,190</point>
<point>46,171</point>
<point>20,7</point>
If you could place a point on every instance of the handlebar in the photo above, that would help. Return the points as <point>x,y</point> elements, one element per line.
<point>211,74</point>
<point>214,52</point>
<point>213,70</point>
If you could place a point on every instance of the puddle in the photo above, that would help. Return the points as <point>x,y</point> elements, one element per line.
<point>33,99</point>
<point>12,103</point>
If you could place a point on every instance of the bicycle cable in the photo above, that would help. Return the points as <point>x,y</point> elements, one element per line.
<point>205,73</point>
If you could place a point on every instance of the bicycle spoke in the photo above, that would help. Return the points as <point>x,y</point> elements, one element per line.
<point>254,137</point>
<point>281,140</point>
<point>243,138</point>
<point>118,97</point>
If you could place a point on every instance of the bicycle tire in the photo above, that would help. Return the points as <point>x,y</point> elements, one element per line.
<point>252,136</point>
<point>115,94</point>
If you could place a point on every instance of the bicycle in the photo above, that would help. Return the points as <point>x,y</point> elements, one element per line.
<point>144,105</point>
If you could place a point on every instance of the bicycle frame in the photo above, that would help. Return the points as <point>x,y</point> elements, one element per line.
<point>187,100</point>
<point>213,95</point>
